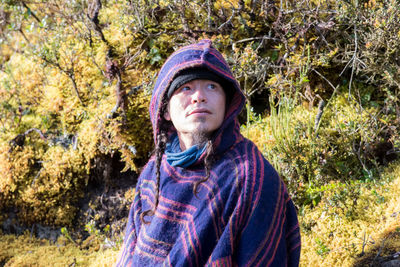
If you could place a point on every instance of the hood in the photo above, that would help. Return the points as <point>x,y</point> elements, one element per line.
<point>199,55</point>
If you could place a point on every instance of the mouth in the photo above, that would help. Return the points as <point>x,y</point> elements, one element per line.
<point>198,111</point>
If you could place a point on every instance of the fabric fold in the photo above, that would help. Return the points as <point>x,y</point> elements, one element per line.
<point>178,158</point>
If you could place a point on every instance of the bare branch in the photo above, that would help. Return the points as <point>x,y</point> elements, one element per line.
<point>254,39</point>
<point>112,68</point>
<point>93,15</point>
<point>30,10</point>
<point>71,76</point>
<point>69,72</point>
<point>19,140</point>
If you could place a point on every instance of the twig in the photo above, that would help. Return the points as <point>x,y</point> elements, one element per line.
<point>19,140</point>
<point>185,23</point>
<point>228,21</point>
<point>323,77</point>
<point>30,10</point>
<point>317,122</point>
<point>365,240</point>
<point>112,68</point>
<point>36,176</point>
<point>358,154</point>
<point>42,135</point>
<point>380,249</point>
<point>23,35</point>
<point>69,72</point>
<point>208,14</point>
<point>354,58</point>
<point>71,76</point>
<point>93,15</point>
<point>253,39</point>
<point>329,101</point>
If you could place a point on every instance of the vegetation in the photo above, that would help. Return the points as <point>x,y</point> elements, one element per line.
<point>321,79</point>
<point>26,251</point>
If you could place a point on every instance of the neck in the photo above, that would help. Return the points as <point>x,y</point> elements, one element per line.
<point>187,140</point>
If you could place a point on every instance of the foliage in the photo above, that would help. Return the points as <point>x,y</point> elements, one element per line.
<point>309,153</point>
<point>345,231</point>
<point>53,80</point>
<point>329,236</point>
<point>320,79</point>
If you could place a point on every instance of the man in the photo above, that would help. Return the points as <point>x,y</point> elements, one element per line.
<point>207,197</point>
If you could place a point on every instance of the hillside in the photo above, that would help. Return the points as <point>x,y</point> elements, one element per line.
<point>322,84</point>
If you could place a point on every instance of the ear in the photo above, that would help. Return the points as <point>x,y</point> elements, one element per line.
<point>166,114</point>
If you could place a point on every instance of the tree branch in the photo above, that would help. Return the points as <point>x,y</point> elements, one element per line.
<point>19,140</point>
<point>112,68</point>
<point>30,10</point>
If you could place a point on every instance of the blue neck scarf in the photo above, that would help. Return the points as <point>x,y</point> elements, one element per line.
<point>178,158</point>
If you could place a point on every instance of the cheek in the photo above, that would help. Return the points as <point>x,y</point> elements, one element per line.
<point>176,110</point>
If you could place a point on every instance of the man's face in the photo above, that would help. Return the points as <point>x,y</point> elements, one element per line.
<point>197,107</point>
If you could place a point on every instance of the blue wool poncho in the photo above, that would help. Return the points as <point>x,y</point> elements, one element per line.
<point>242,215</point>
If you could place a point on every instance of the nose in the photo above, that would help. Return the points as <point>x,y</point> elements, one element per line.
<point>199,96</point>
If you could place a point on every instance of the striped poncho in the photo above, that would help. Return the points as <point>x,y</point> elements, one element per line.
<point>241,216</point>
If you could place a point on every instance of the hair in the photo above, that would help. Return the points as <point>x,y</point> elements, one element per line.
<point>161,142</point>
<point>208,162</point>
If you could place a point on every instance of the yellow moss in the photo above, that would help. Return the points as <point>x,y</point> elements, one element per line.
<point>386,234</point>
<point>111,12</point>
<point>344,238</point>
<point>51,192</point>
<point>130,195</point>
<point>226,4</point>
<point>119,38</point>
<point>53,100</point>
<point>88,141</point>
<point>26,251</point>
<point>27,77</point>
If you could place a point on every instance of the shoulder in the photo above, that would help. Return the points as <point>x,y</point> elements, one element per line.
<point>247,154</point>
<point>256,175</point>
<point>147,171</point>
<point>261,180</point>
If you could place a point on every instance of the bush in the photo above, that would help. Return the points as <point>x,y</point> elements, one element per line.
<point>310,153</point>
<point>76,78</point>
<point>349,230</point>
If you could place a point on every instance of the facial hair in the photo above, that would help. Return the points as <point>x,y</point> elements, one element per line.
<point>200,137</point>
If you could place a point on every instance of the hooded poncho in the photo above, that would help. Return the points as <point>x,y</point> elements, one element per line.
<point>241,216</point>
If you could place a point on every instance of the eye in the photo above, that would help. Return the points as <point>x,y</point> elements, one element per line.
<point>184,88</point>
<point>212,86</point>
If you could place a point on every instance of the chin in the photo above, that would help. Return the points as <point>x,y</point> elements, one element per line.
<point>196,129</point>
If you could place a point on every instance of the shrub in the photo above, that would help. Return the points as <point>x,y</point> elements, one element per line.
<point>350,231</point>
<point>309,153</point>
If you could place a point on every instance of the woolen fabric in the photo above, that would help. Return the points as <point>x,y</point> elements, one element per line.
<point>193,74</point>
<point>242,216</point>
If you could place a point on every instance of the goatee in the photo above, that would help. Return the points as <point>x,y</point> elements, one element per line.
<point>200,137</point>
